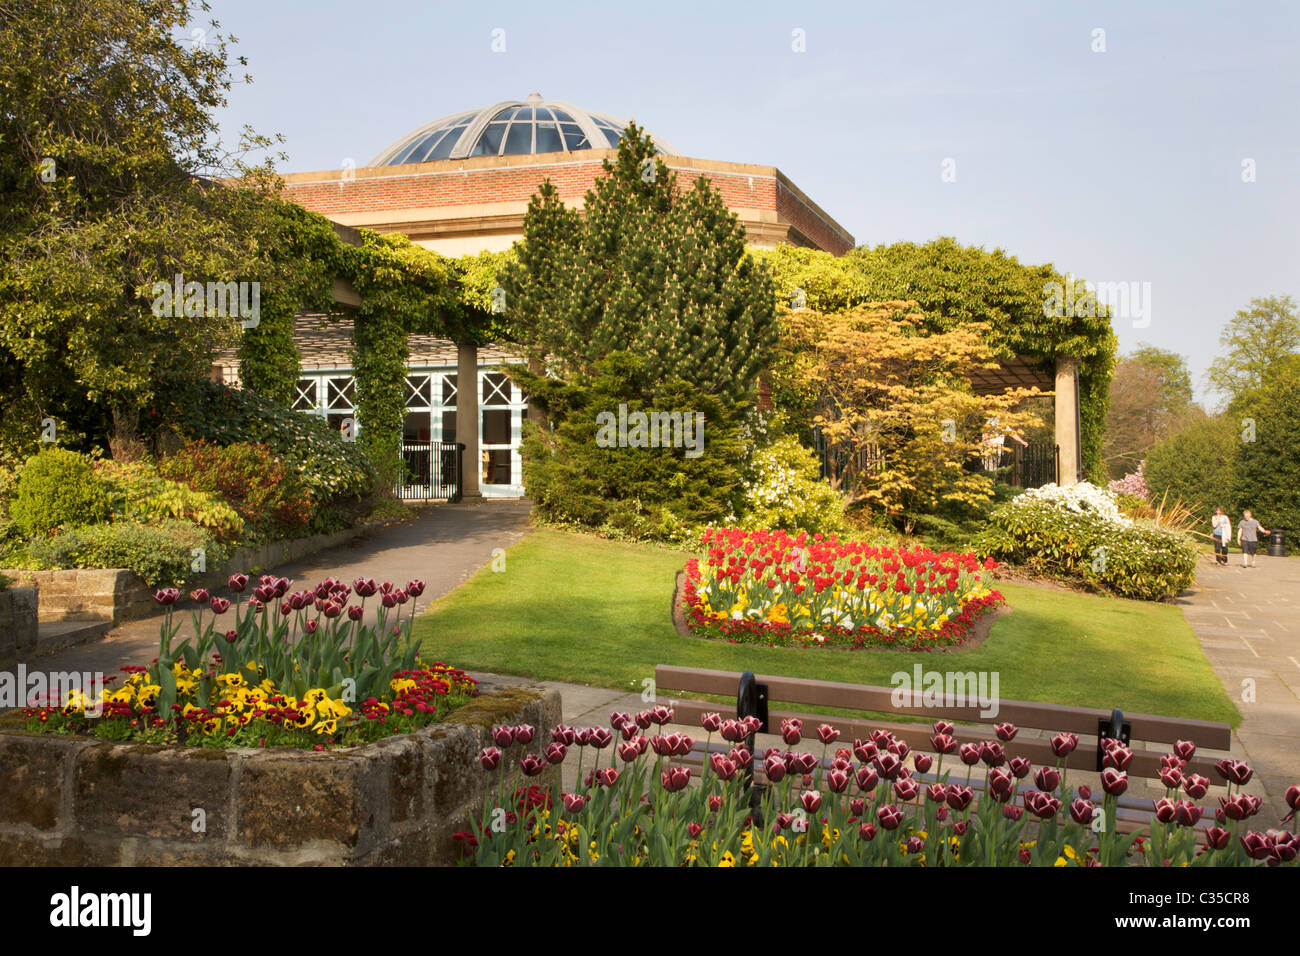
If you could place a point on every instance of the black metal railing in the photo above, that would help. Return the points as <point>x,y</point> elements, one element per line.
<point>431,471</point>
<point>1024,466</point>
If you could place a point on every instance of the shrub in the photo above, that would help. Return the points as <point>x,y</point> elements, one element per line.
<point>56,488</point>
<point>265,490</point>
<point>1079,533</point>
<point>144,495</point>
<point>783,490</point>
<point>161,554</point>
<point>1197,466</point>
<point>326,465</point>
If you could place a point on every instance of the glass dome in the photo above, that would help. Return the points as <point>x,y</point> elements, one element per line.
<point>512,128</point>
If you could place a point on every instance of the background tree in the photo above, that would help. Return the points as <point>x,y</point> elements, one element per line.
<point>107,146</point>
<point>1150,400</point>
<point>1268,452</point>
<point>1197,465</point>
<point>648,269</point>
<point>886,382</point>
<point>1251,342</point>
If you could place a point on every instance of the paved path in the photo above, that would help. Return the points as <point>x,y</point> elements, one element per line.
<point>442,548</point>
<point>1248,622</point>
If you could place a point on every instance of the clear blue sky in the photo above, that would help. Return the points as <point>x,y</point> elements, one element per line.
<point>1123,165</point>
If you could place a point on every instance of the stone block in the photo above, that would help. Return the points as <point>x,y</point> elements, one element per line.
<point>31,779</point>
<point>138,790</point>
<point>291,799</point>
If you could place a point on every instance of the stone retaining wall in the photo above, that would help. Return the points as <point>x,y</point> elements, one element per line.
<point>17,625</point>
<point>116,594</point>
<point>85,802</point>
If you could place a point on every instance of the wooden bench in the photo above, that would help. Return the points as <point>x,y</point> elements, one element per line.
<point>1088,723</point>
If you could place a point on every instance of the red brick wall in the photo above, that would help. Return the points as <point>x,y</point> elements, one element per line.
<point>465,187</point>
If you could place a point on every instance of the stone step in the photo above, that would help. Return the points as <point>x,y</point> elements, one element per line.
<point>55,636</point>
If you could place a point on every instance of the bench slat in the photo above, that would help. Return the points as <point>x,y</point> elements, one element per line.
<point>1210,735</point>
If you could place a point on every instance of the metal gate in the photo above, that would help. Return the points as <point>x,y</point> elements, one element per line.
<point>431,471</point>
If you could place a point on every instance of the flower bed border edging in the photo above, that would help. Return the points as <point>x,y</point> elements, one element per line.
<point>74,801</point>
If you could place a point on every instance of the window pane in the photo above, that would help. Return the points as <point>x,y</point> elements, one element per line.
<point>489,142</point>
<point>496,467</point>
<point>445,145</point>
<point>496,389</point>
<point>416,428</point>
<point>543,114</point>
<point>305,397</point>
<point>417,391</point>
<point>574,137</point>
<point>449,427</point>
<point>520,139</point>
<point>496,426</point>
<point>449,389</point>
<point>548,139</point>
<point>563,117</point>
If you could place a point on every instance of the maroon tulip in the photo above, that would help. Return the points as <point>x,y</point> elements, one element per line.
<point>599,737</point>
<point>1118,757</point>
<point>1216,838</point>
<point>803,763</point>
<point>617,719</point>
<point>1187,813</point>
<point>1164,809</point>
<point>555,753</point>
<point>1258,845</point>
<point>711,722</point>
<point>629,730</point>
<point>365,587</point>
<point>523,734</point>
<point>644,719</point>
<point>1085,791</point>
<point>899,749</point>
<point>960,827</point>
<point>1020,767</point>
<point>722,766</point>
<point>888,764</point>
<point>574,802</point>
<point>694,829</point>
<point>1047,778</point>
<point>415,588</point>
<point>959,798</point>
<point>867,831</point>
<point>563,734</point>
<point>837,781</point>
<point>661,715</point>
<point>1001,784</point>
<point>1024,855</point>
<point>310,626</point>
<point>355,612</point>
<point>791,731</point>
<point>628,751</point>
<point>1235,771</point>
<point>811,800</point>
<point>943,728</point>
<point>237,582</point>
<point>866,778</point>
<point>865,750</point>
<point>1237,807</point>
<point>922,762</point>
<point>167,596</point>
<point>532,765</point>
<point>200,595</point>
<point>503,736</point>
<point>1063,744</point>
<point>489,757</point>
<point>1114,782</point>
<point>1006,732</point>
<point>992,754</point>
<point>906,790</point>
<point>1171,777</point>
<point>606,777</point>
<point>265,593</point>
<point>943,743</point>
<point>740,756</point>
<point>970,754</point>
<point>1012,812</point>
<point>715,802</point>
<point>827,734</point>
<point>1286,846</point>
<point>219,605</point>
<point>1042,804</point>
<point>889,816</point>
<point>733,731</point>
<point>675,778</point>
<point>1082,811</point>
<point>774,767</point>
<point>1195,786</point>
<point>915,845</point>
<point>1185,749</point>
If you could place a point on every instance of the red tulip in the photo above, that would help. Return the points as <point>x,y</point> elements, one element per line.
<point>991,753</point>
<point>866,778</point>
<point>617,719</point>
<point>1235,771</point>
<point>960,827</point>
<point>740,756</point>
<point>628,751</point>
<point>915,845</point>
<point>237,582</point>
<point>599,737</point>
<point>715,802</point>
<point>906,790</point>
<point>1025,855</point>
<point>888,764</point>
<point>1258,845</point>
<point>803,763</point>
<point>943,728</point>
<point>563,734</point>
<point>865,750</point>
<point>1185,749</point>
<point>1012,812</point>
<point>660,715</point>
<point>167,596</point>
<point>1085,791</point>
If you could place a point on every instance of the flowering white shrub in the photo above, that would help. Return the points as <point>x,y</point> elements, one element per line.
<point>1082,498</point>
<point>783,491</point>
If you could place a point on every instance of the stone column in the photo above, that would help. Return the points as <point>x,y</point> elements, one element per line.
<point>467,417</point>
<point>1067,420</point>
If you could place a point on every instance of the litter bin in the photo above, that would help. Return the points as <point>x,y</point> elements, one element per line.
<point>1277,544</point>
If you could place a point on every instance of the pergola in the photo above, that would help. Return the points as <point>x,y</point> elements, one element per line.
<point>1028,372</point>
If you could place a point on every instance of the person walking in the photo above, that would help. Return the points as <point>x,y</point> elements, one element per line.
<point>1222,525</point>
<point>1248,530</point>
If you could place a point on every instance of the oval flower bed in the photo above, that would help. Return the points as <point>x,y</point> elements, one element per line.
<point>766,587</point>
<point>296,669</point>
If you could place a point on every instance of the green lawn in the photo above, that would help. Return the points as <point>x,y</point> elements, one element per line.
<point>582,609</point>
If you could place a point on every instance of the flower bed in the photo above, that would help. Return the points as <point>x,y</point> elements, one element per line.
<point>298,668</point>
<point>864,807</point>
<point>766,587</point>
